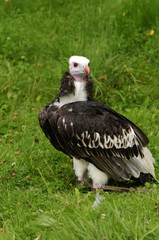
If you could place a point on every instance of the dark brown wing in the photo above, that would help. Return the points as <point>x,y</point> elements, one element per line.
<point>96,133</point>
<point>46,114</point>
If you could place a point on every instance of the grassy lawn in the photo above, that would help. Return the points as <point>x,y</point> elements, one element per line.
<point>39,199</point>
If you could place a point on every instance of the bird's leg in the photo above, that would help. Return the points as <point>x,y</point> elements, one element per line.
<point>80,180</point>
<point>80,167</point>
<point>95,186</point>
<point>99,179</point>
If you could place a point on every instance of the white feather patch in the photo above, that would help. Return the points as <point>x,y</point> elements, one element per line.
<point>79,59</point>
<point>80,167</point>
<point>144,164</point>
<point>122,141</point>
<point>98,177</point>
<point>80,95</point>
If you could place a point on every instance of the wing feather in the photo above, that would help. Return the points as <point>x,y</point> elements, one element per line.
<point>98,134</point>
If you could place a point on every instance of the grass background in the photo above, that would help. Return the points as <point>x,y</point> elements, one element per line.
<point>39,198</point>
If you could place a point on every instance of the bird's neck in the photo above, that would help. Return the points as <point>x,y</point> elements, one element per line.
<point>73,90</point>
<point>78,78</point>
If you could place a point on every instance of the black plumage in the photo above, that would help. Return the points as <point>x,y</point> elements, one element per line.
<point>68,86</point>
<point>64,128</point>
<point>95,133</point>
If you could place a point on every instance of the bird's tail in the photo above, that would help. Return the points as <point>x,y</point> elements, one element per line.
<point>145,164</point>
<point>149,161</point>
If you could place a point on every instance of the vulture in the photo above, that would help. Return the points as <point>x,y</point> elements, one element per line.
<point>102,143</point>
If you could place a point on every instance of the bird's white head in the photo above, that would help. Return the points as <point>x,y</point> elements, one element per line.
<point>79,67</point>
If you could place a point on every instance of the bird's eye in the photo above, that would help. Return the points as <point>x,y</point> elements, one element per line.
<point>75,64</point>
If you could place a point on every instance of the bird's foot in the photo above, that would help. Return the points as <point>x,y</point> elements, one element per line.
<point>95,186</point>
<point>80,181</point>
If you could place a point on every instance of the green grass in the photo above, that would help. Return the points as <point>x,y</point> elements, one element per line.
<point>39,198</point>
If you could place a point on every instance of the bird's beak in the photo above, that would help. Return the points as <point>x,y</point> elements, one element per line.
<point>87,70</point>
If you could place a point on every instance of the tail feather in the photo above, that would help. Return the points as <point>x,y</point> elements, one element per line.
<point>149,160</point>
<point>145,164</point>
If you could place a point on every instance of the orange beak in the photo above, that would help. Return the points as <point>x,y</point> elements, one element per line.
<point>87,69</point>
